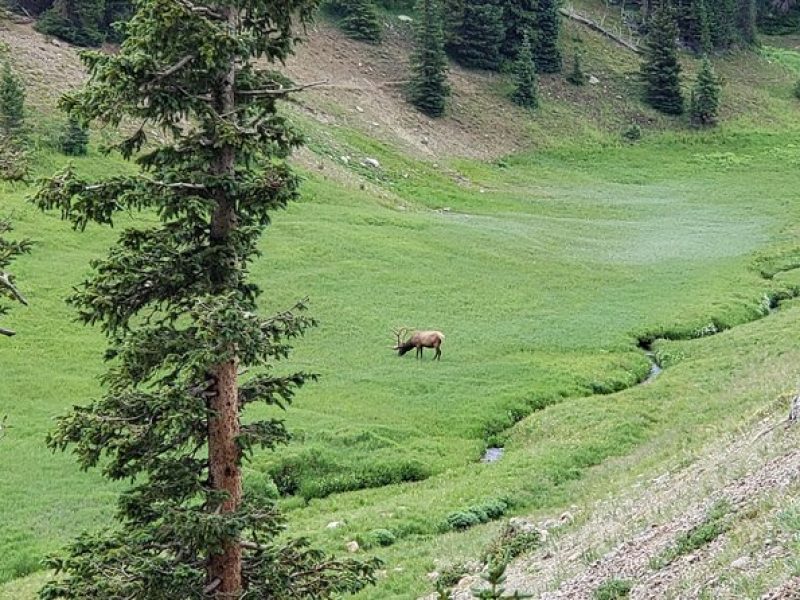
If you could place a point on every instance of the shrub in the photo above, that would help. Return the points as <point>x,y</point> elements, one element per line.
<point>797,89</point>
<point>478,513</point>
<point>613,589</point>
<point>633,133</point>
<point>513,541</point>
<point>462,519</point>
<point>377,537</point>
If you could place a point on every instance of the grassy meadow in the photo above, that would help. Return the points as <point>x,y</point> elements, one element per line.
<point>544,271</point>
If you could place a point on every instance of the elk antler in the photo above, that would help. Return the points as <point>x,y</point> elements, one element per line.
<point>399,333</point>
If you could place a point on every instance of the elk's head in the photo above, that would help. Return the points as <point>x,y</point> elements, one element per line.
<point>399,335</point>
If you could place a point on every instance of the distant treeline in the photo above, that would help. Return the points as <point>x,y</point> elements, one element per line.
<point>704,25</point>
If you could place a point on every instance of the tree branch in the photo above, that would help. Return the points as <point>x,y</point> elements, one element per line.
<point>7,332</point>
<point>5,282</point>
<point>281,91</point>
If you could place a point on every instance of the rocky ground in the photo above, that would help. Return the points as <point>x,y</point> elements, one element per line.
<point>627,537</point>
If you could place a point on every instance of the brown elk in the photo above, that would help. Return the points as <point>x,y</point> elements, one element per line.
<point>419,340</point>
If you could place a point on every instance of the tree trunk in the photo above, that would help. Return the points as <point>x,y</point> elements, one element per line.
<point>223,424</point>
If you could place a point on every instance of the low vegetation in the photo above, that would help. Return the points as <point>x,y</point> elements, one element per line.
<point>716,523</point>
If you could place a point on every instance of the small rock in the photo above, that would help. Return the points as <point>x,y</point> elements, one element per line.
<point>741,563</point>
<point>520,525</point>
<point>543,533</point>
<point>433,575</point>
<point>345,159</point>
<point>359,109</point>
<point>334,525</point>
<point>425,141</point>
<point>405,19</point>
<point>593,80</point>
<point>371,162</point>
<point>352,546</point>
<point>567,518</point>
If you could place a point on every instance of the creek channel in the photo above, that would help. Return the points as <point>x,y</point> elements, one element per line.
<point>494,454</point>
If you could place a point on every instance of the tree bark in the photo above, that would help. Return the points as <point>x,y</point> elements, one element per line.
<point>223,423</point>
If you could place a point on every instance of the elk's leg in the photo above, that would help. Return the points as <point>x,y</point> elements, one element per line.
<point>438,355</point>
<point>419,351</point>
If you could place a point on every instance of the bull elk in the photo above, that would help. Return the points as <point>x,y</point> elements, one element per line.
<point>419,340</point>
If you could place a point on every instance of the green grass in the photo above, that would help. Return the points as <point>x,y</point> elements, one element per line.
<point>543,284</point>
<point>544,272</point>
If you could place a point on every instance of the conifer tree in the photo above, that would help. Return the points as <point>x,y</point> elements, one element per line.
<point>79,22</point>
<point>75,137</point>
<point>525,80</point>
<point>704,105</point>
<point>547,52</point>
<point>747,21</point>
<point>519,18</point>
<point>188,350</point>
<point>360,20</point>
<point>429,89</point>
<point>704,26</point>
<point>660,68</point>
<point>576,76</point>
<point>481,35</point>
<point>9,250</point>
<point>12,103</point>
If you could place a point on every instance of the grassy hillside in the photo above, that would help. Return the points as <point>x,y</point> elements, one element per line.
<point>544,268</point>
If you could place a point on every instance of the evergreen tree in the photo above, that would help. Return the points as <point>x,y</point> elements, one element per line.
<point>704,105</point>
<point>481,35</point>
<point>360,20</point>
<point>181,315</point>
<point>525,80</point>
<point>495,578</point>
<point>519,18</point>
<point>723,16</point>
<point>704,26</point>
<point>660,68</point>
<point>747,21</point>
<point>79,22</point>
<point>576,76</point>
<point>547,53</point>
<point>428,88</point>
<point>75,137</point>
<point>12,104</point>
<point>9,250</point>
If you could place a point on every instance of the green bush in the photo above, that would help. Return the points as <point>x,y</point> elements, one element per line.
<point>633,133</point>
<point>462,520</point>
<point>613,589</point>
<point>377,537</point>
<point>478,513</point>
<point>313,474</point>
<point>511,543</point>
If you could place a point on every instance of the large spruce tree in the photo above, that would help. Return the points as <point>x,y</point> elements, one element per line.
<point>519,17</point>
<point>547,51</point>
<point>360,20</point>
<point>660,68</point>
<point>9,250</point>
<point>480,35</point>
<point>188,351</point>
<point>428,89</point>
<point>79,22</point>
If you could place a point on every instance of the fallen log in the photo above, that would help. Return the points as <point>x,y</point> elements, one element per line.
<point>595,26</point>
